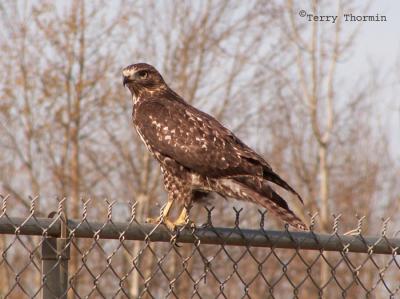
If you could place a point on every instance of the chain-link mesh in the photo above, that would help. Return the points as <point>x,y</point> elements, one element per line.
<point>124,258</point>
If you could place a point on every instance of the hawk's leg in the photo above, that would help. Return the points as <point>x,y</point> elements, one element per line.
<point>177,182</point>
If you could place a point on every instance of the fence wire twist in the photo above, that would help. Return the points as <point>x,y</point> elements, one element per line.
<point>58,257</point>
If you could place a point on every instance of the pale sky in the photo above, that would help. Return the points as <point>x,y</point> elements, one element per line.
<point>376,47</point>
<point>378,44</point>
<point>382,45</point>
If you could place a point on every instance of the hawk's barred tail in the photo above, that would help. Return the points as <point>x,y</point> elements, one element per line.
<point>276,179</point>
<point>239,190</point>
<point>285,214</point>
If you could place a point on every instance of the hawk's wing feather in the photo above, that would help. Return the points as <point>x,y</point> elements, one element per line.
<point>199,142</point>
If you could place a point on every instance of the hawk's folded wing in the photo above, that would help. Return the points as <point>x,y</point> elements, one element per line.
<point>199,142</point>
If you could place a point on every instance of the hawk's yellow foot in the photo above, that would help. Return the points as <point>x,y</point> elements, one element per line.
<point>183,219</point>
<point>163,215</point>
<point>160,219</point>
<point>174,225</point>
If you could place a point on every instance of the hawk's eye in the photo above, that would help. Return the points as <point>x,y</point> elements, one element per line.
<point>142,74</point>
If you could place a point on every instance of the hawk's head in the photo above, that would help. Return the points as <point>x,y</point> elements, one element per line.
<point>142,77</point>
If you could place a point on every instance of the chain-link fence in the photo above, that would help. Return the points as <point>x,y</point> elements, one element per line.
<point>123,258</point>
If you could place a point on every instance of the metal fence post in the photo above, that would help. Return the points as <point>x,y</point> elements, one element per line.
<point>55,256</point>
<point>64,251</point>
<point>50,269</point>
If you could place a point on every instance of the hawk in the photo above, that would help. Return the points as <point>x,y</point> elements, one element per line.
<point>197,154</point>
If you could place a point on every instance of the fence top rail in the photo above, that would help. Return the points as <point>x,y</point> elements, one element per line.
<point>53,227</point>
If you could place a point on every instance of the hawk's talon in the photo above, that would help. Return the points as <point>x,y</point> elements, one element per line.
<point>187,223</point>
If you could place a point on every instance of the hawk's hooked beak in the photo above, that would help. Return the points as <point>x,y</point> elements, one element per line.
<point>128,75</point>
<point>126,80</point>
